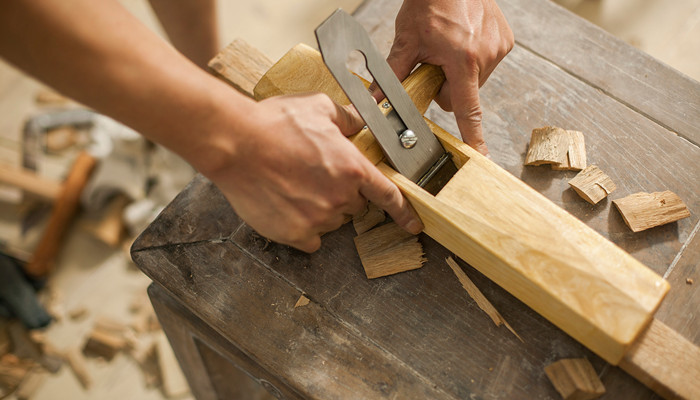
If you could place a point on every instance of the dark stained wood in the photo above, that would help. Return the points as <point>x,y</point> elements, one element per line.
<point>303,352</point>
<point>606,63</point>
<point>680,310</point>
<point>418,334</point>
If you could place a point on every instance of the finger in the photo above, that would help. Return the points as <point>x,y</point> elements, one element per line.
<point>348,119</point>
<point>308,245</point>
<point>402,61</point>
<point>381,191</point>
<point>464,95</point>
<point>356,206</point>
<point>443,97</point>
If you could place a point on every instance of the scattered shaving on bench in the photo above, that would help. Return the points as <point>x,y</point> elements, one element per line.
<point>371,217</point>
<point>564,150</point>
<point>388,250</point>
<point>303,300</point>
<point>592,184</point>
<point>646,210</point>
<point>479,297</point>
<point>575,379</point>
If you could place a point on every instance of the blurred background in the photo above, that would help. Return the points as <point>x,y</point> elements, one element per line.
<point>94,286</point>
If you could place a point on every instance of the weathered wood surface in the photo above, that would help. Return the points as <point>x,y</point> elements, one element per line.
<point>433,332</point>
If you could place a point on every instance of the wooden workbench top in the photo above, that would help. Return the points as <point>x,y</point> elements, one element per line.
<point>418,334</point>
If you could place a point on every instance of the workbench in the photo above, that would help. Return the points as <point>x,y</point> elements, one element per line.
<point>226,296</point>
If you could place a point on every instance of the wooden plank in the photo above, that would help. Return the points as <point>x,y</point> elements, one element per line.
<point>665,361</point>
<point>607,63</point>
<point>504,228</point>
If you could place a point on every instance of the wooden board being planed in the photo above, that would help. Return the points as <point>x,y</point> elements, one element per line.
<point>516,237</point>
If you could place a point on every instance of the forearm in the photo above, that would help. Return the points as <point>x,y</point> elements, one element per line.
<point>191,26</point>
<point>103,57</point>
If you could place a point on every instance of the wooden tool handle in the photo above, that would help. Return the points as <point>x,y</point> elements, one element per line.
<point>63,210</point>
<point>424,84</point>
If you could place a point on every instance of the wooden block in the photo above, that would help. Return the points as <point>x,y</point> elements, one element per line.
<point>227,65</point>
<point>576,154</point>
<point>646,210</point>
<point>592,184</point>
<point>388,250</point>
<point>479,297</point>
<point>103,344</point>
<point>548,145</point>
<point>174,382</point>
<point>76,362</point>
<point>372,217</point>
<point>109,225</point>
<point>575,379</point>
<point>510,233</point>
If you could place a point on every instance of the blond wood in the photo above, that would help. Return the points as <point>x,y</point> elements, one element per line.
<point>227,65</point>
<point>575,155</point>
<point>642,211</point>
<point>665,361</point>
<point>592,184</point>
<point>575,379</point>
<point>303,300</point>
<point>548,145</point>
<point>371,217</point>
<point>515,236</point>
<point>479,297</point>
<point>30,182</point>
<point>388,250</point>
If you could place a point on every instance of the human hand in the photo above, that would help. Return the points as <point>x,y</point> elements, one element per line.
<point>467,38</point>
<point>294,176</point>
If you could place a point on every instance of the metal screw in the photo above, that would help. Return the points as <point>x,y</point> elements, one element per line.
<point>386,104</point>
<point>408,139</point>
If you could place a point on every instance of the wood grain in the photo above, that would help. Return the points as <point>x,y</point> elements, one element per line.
<point>665,361</point>
<point>526,244</point>
<point>592,184</point>
<point>575,379</point>
<point>643,211</point>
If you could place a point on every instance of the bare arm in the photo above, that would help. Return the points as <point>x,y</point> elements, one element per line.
<point>290,190</point>
<point>191,26</point>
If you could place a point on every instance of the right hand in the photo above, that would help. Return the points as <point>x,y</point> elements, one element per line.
<point>294,175</point>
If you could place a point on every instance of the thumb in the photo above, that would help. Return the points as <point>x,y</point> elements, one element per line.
<point>401,60</point>
<point>464,96</point>
<point>348,119</point>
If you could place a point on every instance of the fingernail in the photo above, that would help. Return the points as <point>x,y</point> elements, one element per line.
<point>415,227</point>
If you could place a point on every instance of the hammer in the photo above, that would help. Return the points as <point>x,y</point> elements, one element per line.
<point>65,199</point>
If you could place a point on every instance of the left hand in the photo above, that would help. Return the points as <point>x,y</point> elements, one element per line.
<point>467,38</point>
